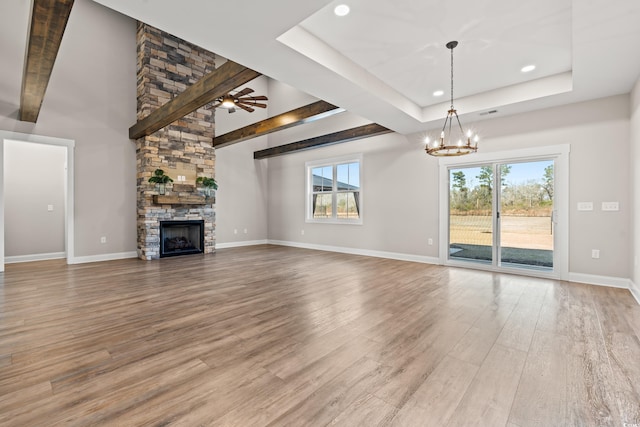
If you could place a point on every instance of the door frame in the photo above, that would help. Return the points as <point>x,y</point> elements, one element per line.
<point>69,208</point>
<point>560,155</point>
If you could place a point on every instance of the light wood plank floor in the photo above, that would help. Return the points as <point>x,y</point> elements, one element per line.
<point>278,336</point>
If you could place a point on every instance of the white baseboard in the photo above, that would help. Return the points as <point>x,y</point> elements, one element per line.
<point>241,243</point>
<point>635,291</point>
<point>102,257</point>
<point>592,279</point>
<point>355,251</point>
<point>34,257</point>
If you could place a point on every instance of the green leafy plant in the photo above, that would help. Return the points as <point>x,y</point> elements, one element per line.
<point>207,182</point>
<point>159,177</point>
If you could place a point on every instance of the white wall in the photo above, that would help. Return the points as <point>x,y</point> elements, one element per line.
<point>396,211</point>
<point>34,178</point>
<point>91,98</point>
<point>635,187</point>
<point>400,185</point>
<point>241,199</point>
<point>598,132</point>
<point>285,98</point>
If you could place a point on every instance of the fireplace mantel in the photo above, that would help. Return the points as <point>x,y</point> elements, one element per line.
<point>182,200</point>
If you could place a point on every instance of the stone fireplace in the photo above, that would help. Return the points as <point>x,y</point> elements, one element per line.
<point>184,150</point>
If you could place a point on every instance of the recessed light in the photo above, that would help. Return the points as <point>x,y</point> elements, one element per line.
<point>438,93</point>
<point>528,68</point>
<point>341,10</point>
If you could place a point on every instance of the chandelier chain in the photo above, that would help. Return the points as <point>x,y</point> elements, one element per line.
<point>451,78</point>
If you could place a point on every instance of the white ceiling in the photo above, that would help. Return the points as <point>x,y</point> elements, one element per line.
<point>403,44</point>
<point>384,60</point>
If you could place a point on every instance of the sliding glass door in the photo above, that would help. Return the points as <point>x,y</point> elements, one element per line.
<point>471,224</point>
<point>501,214</point>
<point>526,214</point>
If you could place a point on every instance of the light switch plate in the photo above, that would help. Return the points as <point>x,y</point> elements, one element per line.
<point>585,206</point>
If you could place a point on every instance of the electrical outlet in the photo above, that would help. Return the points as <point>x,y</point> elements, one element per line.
<point>50,208</point>
<point>430,241</point>
<point>610,206</point>
<point>595,253</point>
<point>235,231</point>
<point>302,232</point>
<point>103,239</point>
<point>245,231</point>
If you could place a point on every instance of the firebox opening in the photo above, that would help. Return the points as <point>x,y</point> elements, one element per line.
<point>181,238</point>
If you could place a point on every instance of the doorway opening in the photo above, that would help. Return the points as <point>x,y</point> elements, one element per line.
<point>66,203</point>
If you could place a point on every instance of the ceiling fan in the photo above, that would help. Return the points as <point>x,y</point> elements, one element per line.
<point>241,99</point>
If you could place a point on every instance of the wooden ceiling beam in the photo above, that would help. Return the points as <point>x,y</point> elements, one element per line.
<point>48,21</point>
<point>308,113</point>
<point>217,83</point>
<point>352,134</point>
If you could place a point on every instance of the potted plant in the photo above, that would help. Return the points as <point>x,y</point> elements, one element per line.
<point>161,180</point>
<point>208,184</point>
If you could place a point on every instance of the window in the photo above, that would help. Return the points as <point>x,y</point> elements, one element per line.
<point>334,192</point>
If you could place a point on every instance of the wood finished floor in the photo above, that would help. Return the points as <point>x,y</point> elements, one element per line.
<point>276,336</point>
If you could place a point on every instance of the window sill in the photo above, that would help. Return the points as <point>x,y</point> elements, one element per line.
<point>334,221</point>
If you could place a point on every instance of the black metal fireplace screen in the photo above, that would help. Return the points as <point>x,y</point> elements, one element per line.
<point>181,238</point>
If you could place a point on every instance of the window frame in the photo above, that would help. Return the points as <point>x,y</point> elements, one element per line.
<point>333,163</point>
<point>560,155</point>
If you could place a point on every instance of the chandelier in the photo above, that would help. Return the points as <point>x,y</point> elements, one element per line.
<point>453,140</point>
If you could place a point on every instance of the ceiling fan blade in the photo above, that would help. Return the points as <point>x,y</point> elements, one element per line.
<point>252,98</point>
<point>245,91</point>
<point>250,101</point>
<point>244,107</point>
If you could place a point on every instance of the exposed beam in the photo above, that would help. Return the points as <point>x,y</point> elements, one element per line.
<point>306,114</point>
<point>48,22</point>
<point>352,134</point>
<point>209,88</point>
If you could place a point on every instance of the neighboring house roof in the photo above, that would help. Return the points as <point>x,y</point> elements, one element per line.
<point>317,182</point>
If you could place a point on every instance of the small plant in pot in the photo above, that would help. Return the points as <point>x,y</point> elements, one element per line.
<point>161,180</point>
<point>208,185</point>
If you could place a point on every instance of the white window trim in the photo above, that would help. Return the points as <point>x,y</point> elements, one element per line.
<point>560,153</point>
<point>309,189</point>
